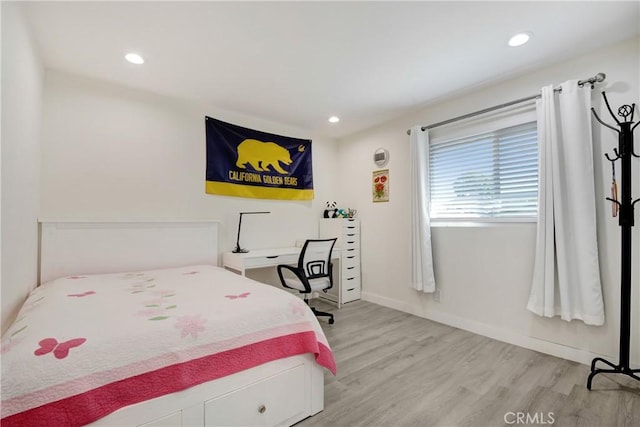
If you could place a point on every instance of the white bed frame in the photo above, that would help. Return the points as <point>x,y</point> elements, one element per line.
<point>281,392</point>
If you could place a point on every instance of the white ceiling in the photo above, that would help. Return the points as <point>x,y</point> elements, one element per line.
<point>297,63</point>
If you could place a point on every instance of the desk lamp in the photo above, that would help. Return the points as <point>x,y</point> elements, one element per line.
<point>238,249</point>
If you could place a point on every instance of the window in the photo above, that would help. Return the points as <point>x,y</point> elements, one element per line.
<point>486,176</point>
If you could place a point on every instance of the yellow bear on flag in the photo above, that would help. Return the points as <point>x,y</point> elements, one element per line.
<point>260,155</point>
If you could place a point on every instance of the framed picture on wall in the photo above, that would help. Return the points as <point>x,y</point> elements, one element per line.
<point>380,185</point>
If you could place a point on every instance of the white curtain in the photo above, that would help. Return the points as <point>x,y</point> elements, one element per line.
<point>566,276</point>
<point>422,277</point>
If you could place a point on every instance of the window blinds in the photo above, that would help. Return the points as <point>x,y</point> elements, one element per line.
<point>487,175</point>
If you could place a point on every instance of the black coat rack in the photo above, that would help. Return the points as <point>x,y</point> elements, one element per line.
<point>624,152</point>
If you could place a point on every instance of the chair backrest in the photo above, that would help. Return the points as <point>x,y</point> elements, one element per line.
<point>315,258</point>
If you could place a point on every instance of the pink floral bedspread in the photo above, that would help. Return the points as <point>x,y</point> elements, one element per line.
<point>85,346</point>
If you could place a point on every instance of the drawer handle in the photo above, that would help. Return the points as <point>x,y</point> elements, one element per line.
<point>272,256</point>
<point>350,235</point>
<point>350,289</point>
<point>350,242</point>
<point>350,268</point>
<point>262,409</point>
<point>350,250</point>
<point>351,278</point>
<point>352,256</point>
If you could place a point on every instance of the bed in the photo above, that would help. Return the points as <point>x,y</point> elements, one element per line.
<point>135,324</point>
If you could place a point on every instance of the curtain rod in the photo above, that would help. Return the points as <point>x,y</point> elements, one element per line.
<point>598,78</point>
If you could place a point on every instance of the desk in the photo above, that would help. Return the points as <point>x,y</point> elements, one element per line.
<point>271,257</point>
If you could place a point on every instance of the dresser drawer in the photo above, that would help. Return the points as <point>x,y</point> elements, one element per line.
<point>270,402</point>
<point>352,242</point>
<point>351,281</point>
<point>351,289</point>
<point>350,266</point>
<point>171,420</point>
<point>350,230</point>
<point>350,271</point>
<point>350,254</point>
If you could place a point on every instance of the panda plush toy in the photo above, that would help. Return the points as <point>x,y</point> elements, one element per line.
<point>331,211</point>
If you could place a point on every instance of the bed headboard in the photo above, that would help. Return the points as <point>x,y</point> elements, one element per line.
<point>94,247</point>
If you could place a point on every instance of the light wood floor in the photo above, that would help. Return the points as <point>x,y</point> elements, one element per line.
<point>396,370</point>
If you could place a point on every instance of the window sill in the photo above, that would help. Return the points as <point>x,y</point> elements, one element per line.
<point>484,222</point>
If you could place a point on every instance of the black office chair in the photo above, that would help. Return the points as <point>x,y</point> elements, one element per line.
<point>314,272</point>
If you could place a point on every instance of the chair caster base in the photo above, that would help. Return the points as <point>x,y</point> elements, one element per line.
<point>322,313</point>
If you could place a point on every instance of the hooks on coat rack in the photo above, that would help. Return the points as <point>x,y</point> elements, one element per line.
<point>626,112</point>
<point>615,151</point>
<point>615,201</point>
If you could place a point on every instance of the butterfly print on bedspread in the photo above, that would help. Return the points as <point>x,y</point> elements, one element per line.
<point>242,295</point>
<point>83,294</point>
<point>60,349</point>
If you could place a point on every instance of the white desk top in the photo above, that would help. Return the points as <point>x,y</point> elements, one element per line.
<point>267,257</point>
<point>268,252</point>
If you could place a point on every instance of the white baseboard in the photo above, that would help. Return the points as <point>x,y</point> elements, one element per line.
<point>531,343</point>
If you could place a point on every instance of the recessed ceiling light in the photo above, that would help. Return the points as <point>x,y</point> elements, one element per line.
<point>519,39</point>
<point>134,58</point>
<point>334,119</point>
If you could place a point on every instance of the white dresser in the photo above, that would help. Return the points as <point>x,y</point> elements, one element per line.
<point>347,230</point>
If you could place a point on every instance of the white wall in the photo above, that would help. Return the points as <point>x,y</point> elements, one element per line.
<point>484,272</point>
<point>109,152</point>
<point>22,76</point>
